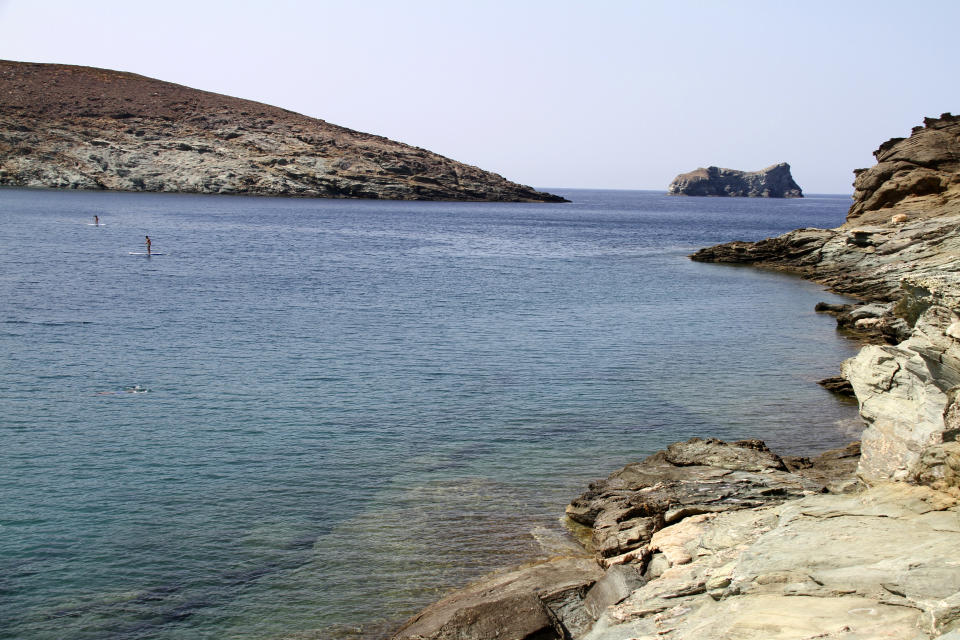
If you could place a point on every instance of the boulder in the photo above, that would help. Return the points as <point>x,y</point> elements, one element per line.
<point>617,583</point>
<point>540,601</point>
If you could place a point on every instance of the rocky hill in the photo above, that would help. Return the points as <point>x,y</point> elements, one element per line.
<point>773,182</point>
<point>710,540</point>
<point>73,127</point>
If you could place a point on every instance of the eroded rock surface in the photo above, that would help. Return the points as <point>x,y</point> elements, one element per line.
<point>867,565</point>
<point>907,392</point>
<point>70,127</point>
<point>773,182</point>
<point>689,478</point>
<point>913,174</point>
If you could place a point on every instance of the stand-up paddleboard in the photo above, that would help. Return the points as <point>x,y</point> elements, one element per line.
<point>133,389</point>
<point>102,224</point>
<point>144,253</point>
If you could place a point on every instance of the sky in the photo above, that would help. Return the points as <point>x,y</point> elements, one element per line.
<point>553,94</point>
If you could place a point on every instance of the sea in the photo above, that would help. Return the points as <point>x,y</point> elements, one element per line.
<point>305,419</point>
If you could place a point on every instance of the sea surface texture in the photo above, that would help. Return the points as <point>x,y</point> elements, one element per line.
<point>309,418</point>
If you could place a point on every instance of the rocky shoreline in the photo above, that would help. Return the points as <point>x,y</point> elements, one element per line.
<point>712,540</point>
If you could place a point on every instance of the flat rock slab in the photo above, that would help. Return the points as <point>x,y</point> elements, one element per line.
<point>877,564</point>
<point>526,603</point>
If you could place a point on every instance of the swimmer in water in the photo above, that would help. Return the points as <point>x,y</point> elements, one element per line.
<point>148,244</point>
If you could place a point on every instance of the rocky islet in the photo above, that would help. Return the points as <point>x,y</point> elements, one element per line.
<point>714,540</point>
<point>775,181</point>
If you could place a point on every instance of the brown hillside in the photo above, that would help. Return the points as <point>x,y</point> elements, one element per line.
<point>64,126</point>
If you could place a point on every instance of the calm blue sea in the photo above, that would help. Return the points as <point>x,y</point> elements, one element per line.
<point>309,418</point>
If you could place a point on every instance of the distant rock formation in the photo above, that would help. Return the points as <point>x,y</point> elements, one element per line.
<point>773,182</point>
<point>70,127</point>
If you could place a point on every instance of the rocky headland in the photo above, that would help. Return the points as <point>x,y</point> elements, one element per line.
<point>71,127</point>
<point>709,540</point>
<point>773,182</point>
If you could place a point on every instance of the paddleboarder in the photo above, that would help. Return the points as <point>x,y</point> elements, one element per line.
<point>96,221</point>
<point>148,244</point>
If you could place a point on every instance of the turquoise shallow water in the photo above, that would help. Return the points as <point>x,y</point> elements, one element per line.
<point>348,407</point>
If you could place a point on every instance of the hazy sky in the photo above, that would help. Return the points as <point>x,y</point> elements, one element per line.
<point>549,93</point>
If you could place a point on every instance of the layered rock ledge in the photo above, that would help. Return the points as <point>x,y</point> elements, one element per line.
<point>710,540</point>
<point>773,182</point>
<point>70,127</point>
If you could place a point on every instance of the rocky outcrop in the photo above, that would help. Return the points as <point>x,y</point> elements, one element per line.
<point>70,127</point>
<point>773,182</point>
<point>689,478</point>
<point>915,175</point>
<point>853,566</point>
<point>905,390</point>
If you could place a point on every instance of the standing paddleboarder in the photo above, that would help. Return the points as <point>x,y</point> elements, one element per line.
<point>148,244</point>
<point>96,221</point>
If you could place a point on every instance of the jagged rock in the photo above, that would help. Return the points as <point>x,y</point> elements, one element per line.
<point>939,467</point>
<point>903,390</point>
<point>689,478</point>
<point>920,170</point>
<point>743,455</point>
<point>69,127</point>
<point>773,182</point>
<point>834,469</point>
<point>838,385</point>
<point>834,309</point>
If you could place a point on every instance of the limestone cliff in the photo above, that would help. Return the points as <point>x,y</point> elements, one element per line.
<point>773,182</point>
<point>73,127</point>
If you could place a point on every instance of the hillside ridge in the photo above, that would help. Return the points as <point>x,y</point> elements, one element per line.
<point>75,127</point>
